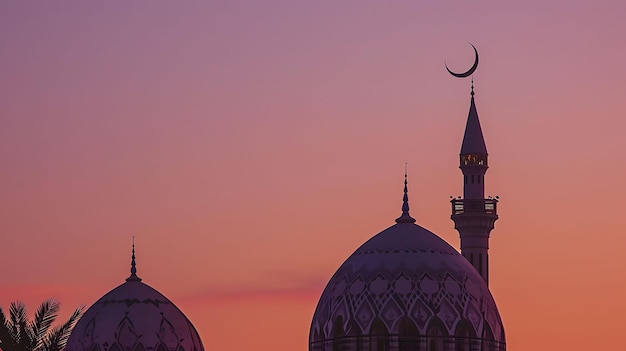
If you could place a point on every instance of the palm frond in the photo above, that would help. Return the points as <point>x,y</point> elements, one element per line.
<point>43,319</point>
<point>18,319</point>
<point>56,339</point>
<point>17,316</point>
<point>19,326</point>
<point>17,333</point>
<point>5,335</point>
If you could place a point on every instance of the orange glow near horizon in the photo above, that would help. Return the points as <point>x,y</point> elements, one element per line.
<point>251,147</point>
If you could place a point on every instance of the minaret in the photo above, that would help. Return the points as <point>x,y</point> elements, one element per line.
<point>473,215</point>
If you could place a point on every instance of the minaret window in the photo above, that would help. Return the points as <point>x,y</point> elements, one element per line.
<point>473,160</point>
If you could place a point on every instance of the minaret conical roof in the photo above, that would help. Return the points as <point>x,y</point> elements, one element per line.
<point>473,141</point>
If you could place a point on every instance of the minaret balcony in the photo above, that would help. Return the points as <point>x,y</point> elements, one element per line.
<point>474,206</point>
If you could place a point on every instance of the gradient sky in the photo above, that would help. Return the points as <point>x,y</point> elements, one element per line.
<point>252,146</point>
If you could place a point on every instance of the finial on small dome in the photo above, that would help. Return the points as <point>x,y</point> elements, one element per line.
<point>133,269</point>
<point>406,217</point>
<point>472,93</point>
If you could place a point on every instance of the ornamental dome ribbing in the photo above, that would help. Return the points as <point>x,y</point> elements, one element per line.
<point>406,289</point>
<point>134,317</point>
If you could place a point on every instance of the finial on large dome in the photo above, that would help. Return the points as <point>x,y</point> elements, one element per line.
<point>406,217</point>
<point>133,269</point>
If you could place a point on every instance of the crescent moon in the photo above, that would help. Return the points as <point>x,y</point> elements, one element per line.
<point>469,71</point>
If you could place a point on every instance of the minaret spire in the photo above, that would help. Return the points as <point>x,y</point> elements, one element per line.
<point>405,217</point>
<point>133,269</point>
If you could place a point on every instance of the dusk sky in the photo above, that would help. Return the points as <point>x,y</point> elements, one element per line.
<point>251,146</point>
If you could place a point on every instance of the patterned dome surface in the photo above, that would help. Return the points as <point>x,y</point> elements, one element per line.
<point>406,273</point>
<point>134,317</point>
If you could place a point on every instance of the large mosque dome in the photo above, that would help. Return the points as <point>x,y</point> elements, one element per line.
<point>406,289</point>
<point>134,317</point>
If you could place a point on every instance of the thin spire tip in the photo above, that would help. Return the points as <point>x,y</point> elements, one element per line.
<point>133,266</point>
<point>405,217</point>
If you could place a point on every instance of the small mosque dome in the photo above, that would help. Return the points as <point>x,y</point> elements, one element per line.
<point>134,317</point>
<point>406,289</point>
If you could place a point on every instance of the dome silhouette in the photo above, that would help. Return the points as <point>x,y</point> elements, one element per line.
<point>406,289</point>
<point>134,317</point>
